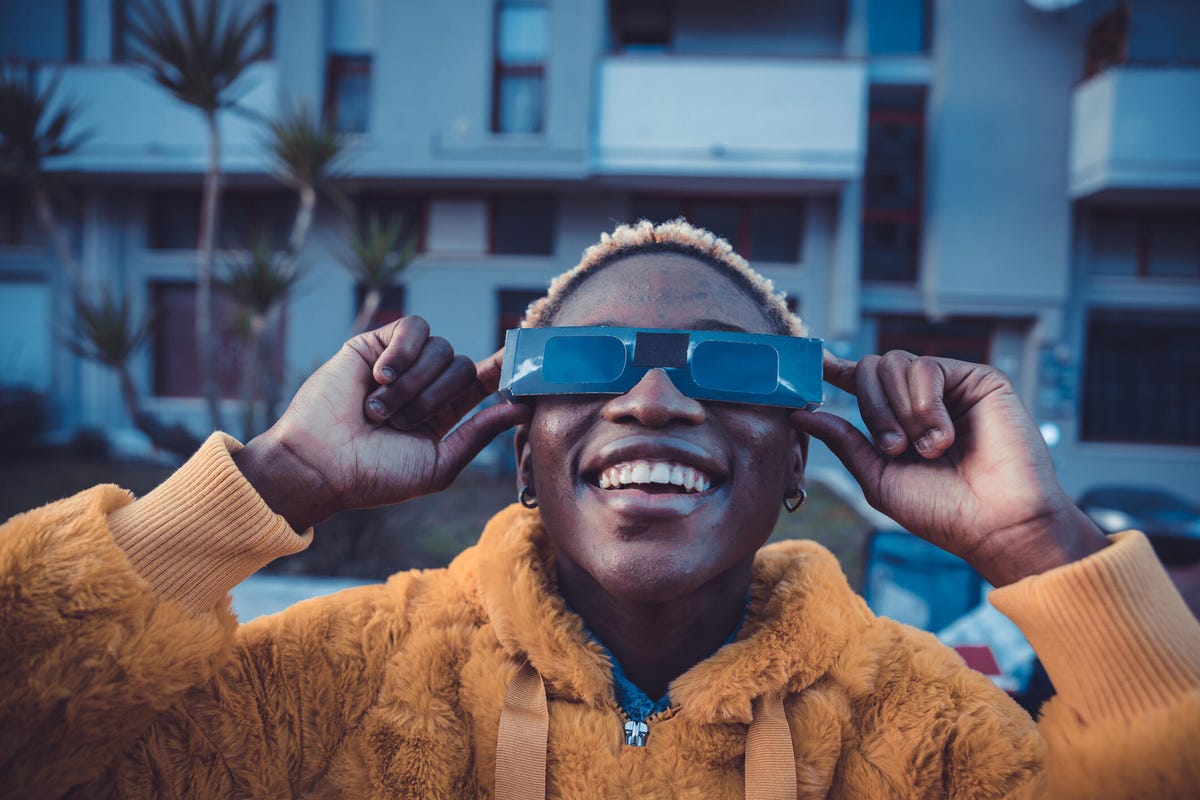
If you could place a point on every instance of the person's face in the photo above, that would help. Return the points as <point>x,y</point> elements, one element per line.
<point>655,542</point>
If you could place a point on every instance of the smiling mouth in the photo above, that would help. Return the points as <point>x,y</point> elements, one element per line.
<point>654,477</point>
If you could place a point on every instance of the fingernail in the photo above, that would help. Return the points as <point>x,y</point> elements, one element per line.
<point>889,441</point>
<point>929,440</point>
<point>377,408</point>
<point>388,374</point>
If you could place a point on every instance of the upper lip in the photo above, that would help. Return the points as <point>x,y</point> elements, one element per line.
<point>653,448</point>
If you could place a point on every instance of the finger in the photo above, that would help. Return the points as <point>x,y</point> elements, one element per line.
<point>465,442</point>
<point>854,450</point>
<point>434,358</point>
<point>876,408</point>
<point>838,371</point>
<point>488,371</point>
<point>893,377</point>
<point>457,376</point>
<point>926,388</point>
<point>403,342</point>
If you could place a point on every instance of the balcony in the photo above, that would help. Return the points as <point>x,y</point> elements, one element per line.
<point>135,126</point>
<point>1136,129</point>
<point>731,117</point>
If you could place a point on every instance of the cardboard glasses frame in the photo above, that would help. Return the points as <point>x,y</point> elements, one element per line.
<point>727,366</point>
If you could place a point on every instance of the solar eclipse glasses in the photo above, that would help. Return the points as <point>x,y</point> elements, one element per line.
<point>706,365</point>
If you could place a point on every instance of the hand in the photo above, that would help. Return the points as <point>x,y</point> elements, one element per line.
<point>372,426</point>
<point>958,461</point>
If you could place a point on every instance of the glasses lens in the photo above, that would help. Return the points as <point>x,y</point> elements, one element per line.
<point>736,366</point>
<point>583,359</point>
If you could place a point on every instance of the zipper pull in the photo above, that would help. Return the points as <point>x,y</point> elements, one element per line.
<point>635,733</point>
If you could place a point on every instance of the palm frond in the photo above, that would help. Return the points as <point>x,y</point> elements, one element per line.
<point>107,331</point>
<point>34,125</point>
<point>199,58</point>
<point>374,260</point>
<point>260,278</point>
<point>306,151</point>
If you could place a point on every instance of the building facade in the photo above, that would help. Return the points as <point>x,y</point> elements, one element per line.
<point>999,180</point>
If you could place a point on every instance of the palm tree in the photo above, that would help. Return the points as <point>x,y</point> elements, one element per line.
<point>199,55</point>
<point>108,335</point>
<point>259,281</point>
<point>376,263</point>
<point>34,127</point>
<point>306,153</point>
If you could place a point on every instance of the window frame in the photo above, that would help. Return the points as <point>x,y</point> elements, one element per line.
<point>501,70</point>
<point>491,225</point>
<point>913,217</point>
<point>745,206</point>
<point>339,65</point>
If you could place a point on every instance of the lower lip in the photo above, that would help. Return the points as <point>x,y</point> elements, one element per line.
<point>647,507</point>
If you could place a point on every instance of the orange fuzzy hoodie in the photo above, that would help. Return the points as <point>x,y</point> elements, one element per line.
<point>123,673</point>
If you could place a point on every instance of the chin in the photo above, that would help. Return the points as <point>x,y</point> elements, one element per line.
<point>652,576</point>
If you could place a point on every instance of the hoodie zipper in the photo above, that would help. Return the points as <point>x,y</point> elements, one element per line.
<point>636,733</point>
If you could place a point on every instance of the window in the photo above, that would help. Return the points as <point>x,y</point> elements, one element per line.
<point>176,368</point>
<point>1129,397</point>
<point>899,27</point>
<point>510,308</point>
<point>45,31</point>
<point>390,308</point>
<point>18,226</point>
<point>174,219</point>
<point>1146,243</point>
<point>1107,42</point>
<point>522,225</point>
<point>640,26</point>
<point>762,231</point>
<point>348,92</point>
<point>962,339</point>
<point>891,230</point>
<point>409,209</point>
<point>519,72</point>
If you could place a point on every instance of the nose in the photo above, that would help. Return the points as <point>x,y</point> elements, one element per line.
<point>655,403</point>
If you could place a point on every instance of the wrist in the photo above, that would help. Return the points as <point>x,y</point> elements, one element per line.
<point>290,486</point>
<point>1052,540</point>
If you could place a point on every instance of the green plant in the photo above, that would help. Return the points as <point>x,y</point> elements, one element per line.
<point>306,153</point>
<point>199,53</point>
<point>376,260</point>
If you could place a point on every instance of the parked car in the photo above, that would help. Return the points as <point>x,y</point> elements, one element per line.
<point>1171,522</point>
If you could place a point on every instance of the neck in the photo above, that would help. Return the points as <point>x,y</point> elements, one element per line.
<point>658,642</point>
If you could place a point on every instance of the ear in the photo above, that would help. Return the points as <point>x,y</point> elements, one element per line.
<point>524,457</point>
<point>799,458</point>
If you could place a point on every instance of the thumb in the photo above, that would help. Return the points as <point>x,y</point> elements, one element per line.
<point>464,442</point>
<point>846,442</point>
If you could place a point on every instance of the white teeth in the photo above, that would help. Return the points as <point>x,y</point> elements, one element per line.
<point>653,472</point>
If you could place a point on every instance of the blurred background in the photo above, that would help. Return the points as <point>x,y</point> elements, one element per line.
<point>201,199</point>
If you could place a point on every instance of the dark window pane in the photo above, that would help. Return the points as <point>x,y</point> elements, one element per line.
<point>723,219</point>
<point>18,222</point>
<point>176,368</point>
<point>519,99</point>
<point>776,231</point>
<point>962,339</point>
<point>898,26</point>
<point>247,217</point>
<point>657,209</point>
<point>390,308</point>
<point>1130,397</point>
<point>511,305</point>
<point>174,220</point>
<point>348,93</point>
<point>641,26</point>
<point>523,225</point>
<point>408,209</point>
<point>1173,241</point>
<point>890,251</point>
<point>892,201</point>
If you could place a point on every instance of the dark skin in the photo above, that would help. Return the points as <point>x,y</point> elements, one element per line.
<point>662,580</point>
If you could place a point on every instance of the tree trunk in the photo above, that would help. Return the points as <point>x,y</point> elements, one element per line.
<point>175,439</point>
<point>370,305</point>
<point>206,346</point>
<point>58,238</point>
<point>253,364</point>
<point>303,222</point>
<point>273,392</point>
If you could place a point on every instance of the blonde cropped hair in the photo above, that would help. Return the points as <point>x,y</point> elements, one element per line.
<point>676,236</point>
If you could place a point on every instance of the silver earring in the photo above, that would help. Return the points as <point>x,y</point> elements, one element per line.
<point>796,500</point>
<point>525,498</point>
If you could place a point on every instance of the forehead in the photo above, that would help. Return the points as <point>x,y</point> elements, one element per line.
<point>662,290</point>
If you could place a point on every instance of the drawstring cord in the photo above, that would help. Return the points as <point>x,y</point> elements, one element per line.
<point>525,725</point>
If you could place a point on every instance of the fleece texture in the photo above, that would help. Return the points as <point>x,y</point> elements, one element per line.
<point>124,674</point>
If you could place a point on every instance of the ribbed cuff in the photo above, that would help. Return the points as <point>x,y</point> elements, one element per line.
<point>203,530</point>
<point>1115,637</point>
